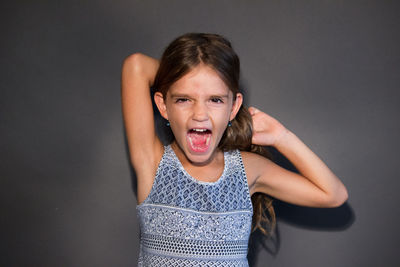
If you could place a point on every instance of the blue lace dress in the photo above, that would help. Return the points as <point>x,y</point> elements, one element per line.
<point>186,222</point>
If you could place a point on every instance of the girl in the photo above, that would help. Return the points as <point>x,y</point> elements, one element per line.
<point>194,195</point>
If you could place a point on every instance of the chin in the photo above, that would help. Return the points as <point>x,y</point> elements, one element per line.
<point>201,159</point>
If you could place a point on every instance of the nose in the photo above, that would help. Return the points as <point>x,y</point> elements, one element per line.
<point>200,112</point>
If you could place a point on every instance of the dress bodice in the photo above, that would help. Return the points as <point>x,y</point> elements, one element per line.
<point>187,222</point>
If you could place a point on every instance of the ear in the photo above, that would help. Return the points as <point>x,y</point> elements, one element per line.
<point>160,103</point>
<point>236,105</point>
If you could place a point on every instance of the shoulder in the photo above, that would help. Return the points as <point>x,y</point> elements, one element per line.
<point>250,158</point>
<point>255,165</point>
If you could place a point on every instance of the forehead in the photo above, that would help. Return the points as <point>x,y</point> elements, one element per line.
<point>200,80</point>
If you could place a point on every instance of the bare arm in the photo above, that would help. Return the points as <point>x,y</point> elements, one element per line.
<point>317,186</point>
<point>145,148</point>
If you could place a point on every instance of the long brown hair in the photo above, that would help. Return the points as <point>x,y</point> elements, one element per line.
<point>180,57</point>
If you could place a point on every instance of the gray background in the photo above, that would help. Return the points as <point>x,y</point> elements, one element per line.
<point>328,70</point>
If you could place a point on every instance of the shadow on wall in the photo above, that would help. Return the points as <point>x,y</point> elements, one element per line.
<point>321,219</point>
<point>336,219</point>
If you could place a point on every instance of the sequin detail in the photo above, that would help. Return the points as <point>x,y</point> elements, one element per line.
<point>186,222</point>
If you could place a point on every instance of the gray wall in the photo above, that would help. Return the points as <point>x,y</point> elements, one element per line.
<point>328,70</point>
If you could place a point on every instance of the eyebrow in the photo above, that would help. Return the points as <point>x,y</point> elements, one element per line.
<point>188,96</point>
<point>179,95</point>
<point>221,96</point>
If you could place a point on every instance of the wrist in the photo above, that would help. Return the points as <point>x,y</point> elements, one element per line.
<point>283,139</point>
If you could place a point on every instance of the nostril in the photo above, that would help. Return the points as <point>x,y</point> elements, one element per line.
<point>200,113</point>
<point>200,116</point>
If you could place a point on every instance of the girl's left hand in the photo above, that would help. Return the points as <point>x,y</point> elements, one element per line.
<point>266,130</point>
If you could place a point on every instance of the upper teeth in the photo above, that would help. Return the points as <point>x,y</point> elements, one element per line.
<point>199,130</point>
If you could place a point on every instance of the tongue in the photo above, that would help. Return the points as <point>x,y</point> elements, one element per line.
<point>199,142</point>
<point>198,139</point>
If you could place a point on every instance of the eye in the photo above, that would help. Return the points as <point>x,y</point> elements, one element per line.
<point>181,100</point>
<point>216,100</point>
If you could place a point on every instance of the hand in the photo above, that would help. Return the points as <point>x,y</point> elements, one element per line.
<point>267,131</point>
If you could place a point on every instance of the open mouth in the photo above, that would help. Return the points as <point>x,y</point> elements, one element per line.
<point>199,139</point>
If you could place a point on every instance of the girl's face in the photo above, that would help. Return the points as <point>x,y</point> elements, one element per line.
<point>199,107</point>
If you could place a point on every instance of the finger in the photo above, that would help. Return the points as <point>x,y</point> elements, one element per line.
<point>255,140</point>
<point>253,110</point>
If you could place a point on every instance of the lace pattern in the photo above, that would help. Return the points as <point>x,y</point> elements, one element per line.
<point>195,249</point>
<point>184,224</point>
<point>154,260</point>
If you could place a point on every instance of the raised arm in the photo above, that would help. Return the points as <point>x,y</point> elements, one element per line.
<point>316,186</point>
<point>145,148</point>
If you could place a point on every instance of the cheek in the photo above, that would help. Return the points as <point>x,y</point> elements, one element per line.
<point>226,114</point>
<point>171,113</point>
<point>221,120</point>
<point>177,120</point>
